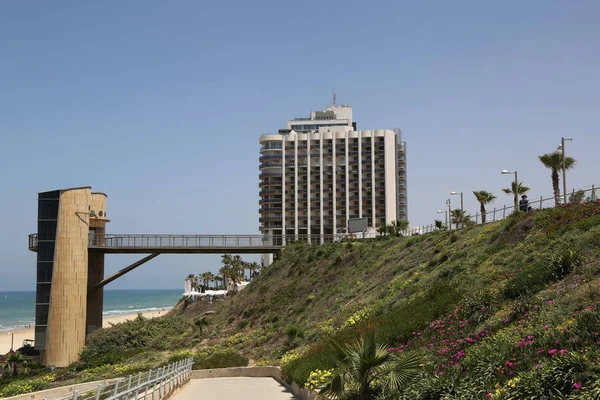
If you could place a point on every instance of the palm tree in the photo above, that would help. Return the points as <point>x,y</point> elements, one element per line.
<point>382,230</point>
<point>521,189</point>
<point>483,198</point>
<point>253,267</point>
<point>361,363</point>
<point>458,217</point>
<point>218,281</point>
<point>554,162</point>
<point>13,361</point>
<point>397,226</point>
<point>205,276</point>
<point>439,225</point>
<point>210,277</point>
<point>191,278</point>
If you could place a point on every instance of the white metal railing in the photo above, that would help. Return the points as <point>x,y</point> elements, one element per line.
<point>152,384</point>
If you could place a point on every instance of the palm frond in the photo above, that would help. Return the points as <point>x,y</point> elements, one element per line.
<point>400,370</point>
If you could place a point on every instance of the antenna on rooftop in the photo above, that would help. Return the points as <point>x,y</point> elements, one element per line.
<point>334,98</point>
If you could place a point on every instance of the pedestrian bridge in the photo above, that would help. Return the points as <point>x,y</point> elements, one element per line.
<point>191,244</point>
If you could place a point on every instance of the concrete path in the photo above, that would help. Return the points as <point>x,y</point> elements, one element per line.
<point>234,389</point>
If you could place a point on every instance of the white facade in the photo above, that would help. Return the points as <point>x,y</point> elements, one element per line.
<point>321,171</point>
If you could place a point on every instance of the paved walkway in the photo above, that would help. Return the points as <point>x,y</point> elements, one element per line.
<point>234,389</point>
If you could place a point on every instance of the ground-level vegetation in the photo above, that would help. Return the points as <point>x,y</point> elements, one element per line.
<point>508,310</point>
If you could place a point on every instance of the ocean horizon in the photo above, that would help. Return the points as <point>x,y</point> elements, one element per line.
<point>17,309</point>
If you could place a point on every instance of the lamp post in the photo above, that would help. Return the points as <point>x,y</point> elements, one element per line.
<point>564,165</point>
<point>444,212</point>
<point>462,208</point>
<point>516,190</point>
<point>12,339</point>
<point>449,204</point>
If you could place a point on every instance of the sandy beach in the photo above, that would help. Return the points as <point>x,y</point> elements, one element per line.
<point>22,334</point>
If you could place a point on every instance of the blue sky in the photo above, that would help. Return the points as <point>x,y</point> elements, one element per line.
<point>160,105</point>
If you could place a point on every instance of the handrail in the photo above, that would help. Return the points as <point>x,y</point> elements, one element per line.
<point>165,381</point>
<point>257,240</point>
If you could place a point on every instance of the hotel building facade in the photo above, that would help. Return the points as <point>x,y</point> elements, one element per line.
<point>321,171</point>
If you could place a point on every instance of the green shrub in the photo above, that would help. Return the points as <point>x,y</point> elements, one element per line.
<point>564,262</point>
<point>23,386</point>
<point>293,331</point>
<point>111,345</point>
<point>398,324</point>
<point>298,369</point>
<point>530,280</point>
<point>219,358</point>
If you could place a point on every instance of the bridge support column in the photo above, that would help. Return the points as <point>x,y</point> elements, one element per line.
<point>95,295</point>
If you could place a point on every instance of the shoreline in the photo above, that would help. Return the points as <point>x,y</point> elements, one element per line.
<point>28,333</point>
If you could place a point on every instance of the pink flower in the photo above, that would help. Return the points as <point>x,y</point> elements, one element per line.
<point>550,301</point>
<point>537,366</point>
<point>577,385</point>
<point>552,351</point>
<point>489,395</point>
<point>546,327</point>
<point>563,352</point>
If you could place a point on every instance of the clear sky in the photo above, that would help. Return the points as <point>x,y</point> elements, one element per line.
<point>160,105</point>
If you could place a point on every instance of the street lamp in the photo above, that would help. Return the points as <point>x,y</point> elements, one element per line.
<point>462,208</point>
<point>449,204</point>
<point>444,212</point>
<point>504,172</point>
<point>12,339</point>
<point>564,160</point>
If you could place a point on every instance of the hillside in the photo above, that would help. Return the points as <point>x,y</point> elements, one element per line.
<point>494,310</point>
<point>509,310</point>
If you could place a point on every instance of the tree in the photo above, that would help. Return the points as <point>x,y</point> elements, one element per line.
<point>253,267</point>
<point>458,217</point>
<point>521,189</point>
<point>358,365</point>
<point>554,162</point>
<point>577,197</point>
<point>382,230</point>
<point>191,278</point>
<point>200,323</point>
<point>439,225</point>
<point>483,198</point>
<point>396,227</point>
<point>13,361</point>
<point>218,281</point>
<point>210,277</point>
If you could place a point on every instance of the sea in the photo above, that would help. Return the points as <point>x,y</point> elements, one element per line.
<point>17,309</point>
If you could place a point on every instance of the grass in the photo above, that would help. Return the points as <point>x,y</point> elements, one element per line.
<point>485,306</point>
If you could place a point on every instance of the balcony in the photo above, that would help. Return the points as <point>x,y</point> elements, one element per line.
<point>269,183</point>
<point>270,165</point>
<point>266,192</point>
<point>268,157</point>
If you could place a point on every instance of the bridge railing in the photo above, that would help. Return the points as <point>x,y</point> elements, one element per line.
<point>152,384</point>
<point>205,241</point>
<point>187,241</point>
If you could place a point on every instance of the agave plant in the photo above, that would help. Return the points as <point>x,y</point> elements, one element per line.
<point>359,364</point>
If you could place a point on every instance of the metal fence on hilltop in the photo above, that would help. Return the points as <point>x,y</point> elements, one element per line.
<point>500,213</point>
<point>149,385</point>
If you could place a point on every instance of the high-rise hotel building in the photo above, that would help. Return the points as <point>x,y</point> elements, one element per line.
<point>321,171</point>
